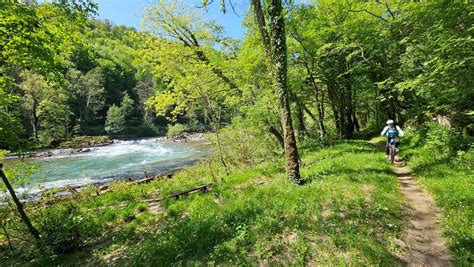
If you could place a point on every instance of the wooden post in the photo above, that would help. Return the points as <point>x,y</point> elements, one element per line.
<point>19,206</point>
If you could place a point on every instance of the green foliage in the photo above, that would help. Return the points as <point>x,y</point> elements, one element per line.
<point>351,65</point>
<point>85,141</point>
<point>117,116</point>
<point>175,130</point>
<point>441,142</point>
<point>238,144</point>
<point>115,120</point>
<point>465,159</point>
<point>207,86</point>
<point>126,106</point>
<point>88,93</point>
<point>435,65</point>
<point>39,40</point>
<point>87,63</point>
<point>65,227</point>
<point>46,106</point>
<point>11,136</point>
<point>23,38</point>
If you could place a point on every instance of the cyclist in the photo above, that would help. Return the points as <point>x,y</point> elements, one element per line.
<point>392,131</point>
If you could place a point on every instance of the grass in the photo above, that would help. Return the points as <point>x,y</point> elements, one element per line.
<point>349,212</point>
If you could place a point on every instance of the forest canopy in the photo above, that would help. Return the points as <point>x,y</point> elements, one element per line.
<point>350,67</point>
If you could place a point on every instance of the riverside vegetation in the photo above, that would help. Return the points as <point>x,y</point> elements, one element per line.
<point>286,108</point>
<point>349,211</point>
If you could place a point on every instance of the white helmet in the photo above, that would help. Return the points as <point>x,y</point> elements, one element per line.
<point>390,122</point>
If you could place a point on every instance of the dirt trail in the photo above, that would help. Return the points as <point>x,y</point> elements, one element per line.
<point>422,242</point>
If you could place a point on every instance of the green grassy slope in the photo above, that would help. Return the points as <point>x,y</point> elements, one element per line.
<point>350,211</point>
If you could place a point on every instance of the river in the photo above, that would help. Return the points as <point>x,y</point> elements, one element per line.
<point>121,160</point>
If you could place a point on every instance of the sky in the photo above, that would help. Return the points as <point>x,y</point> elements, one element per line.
<point>130,13</point>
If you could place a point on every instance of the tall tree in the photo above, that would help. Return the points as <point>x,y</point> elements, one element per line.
<point>45,105</point>
<point>117,116</point>
<point>88,93</point>
<point>37,38</point>
<point>179,23</point>
<point>274,41</point>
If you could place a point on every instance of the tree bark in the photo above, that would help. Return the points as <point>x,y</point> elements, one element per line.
<point>278,56</point>
<point>218,72</point>
<point>35,122</point>
<point>300,118</point>
<point>34,232</point>
<point>215,122</point>
<point>356,122</point>
<point>5,232</point>
<point>277,135</point>
<point>319,99</point>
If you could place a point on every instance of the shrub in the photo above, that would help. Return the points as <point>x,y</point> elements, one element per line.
<point>196,127</point>
<point>65,227</point>
<point>238,144</point>
<point>465,159</point>
<point>175,130</point>
<point>439,141</point>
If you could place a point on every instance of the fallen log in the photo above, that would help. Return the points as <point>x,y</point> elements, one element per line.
<point>105,188</point>
<point>58,196</point>
<point>158,177</point>
<point>201,188</point>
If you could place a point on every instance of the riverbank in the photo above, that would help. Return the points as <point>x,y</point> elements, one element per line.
<point>184,138</point>
<point>349,211</point>
<point>85,141</point>
<point>120,161</point>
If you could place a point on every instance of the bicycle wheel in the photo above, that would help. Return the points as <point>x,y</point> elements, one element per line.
<point>392,153</point>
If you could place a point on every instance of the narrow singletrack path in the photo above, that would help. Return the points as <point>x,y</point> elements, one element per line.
<point>424,243</point>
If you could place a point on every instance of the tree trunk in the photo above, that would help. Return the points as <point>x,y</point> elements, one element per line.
<point>19,206</point>
<point>215,123</point>
<point>356,122</point>
<point>334,99</point>
<point>277,135</point>
<point>5,232</point>
<point>349,108</point>
<point>35,122</point>
<point>300,119</point>
<point>310,114</point>
<point>319,100</point>
<point>280,67</point>
<point>278,56</point>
